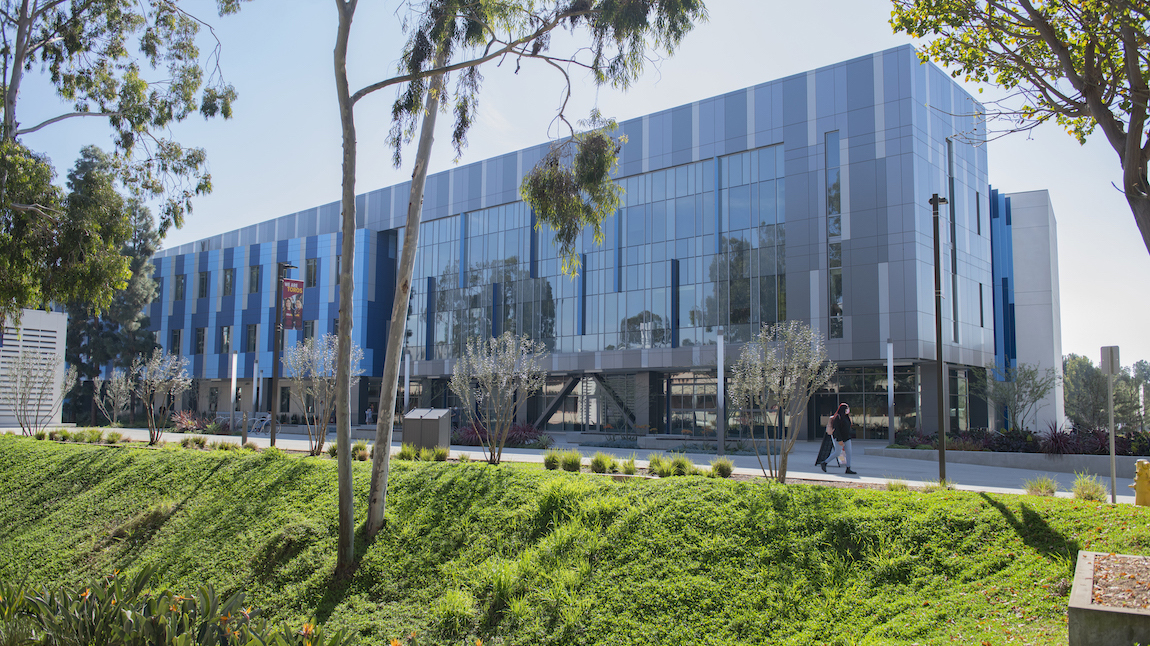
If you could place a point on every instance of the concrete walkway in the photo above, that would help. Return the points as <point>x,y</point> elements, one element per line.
<point>871,468</point>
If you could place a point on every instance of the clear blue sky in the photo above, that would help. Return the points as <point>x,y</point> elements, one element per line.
<point>281,151</point>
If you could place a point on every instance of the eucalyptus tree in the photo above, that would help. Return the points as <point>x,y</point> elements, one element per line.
<point>1083,64</point>
<point>454,39</point>
<point>134,64</point>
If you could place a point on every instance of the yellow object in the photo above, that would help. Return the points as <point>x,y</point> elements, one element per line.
<point>1141,484</point>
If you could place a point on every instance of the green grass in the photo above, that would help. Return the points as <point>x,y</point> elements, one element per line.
<point>518,554</point>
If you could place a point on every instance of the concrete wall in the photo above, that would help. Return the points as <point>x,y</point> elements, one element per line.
<point>1037,308</point>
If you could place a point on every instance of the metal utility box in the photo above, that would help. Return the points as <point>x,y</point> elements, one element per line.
<point>435,428</point>
<point>413,426</point>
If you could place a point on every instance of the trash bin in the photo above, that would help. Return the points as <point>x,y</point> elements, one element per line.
<point>413,426</point>
<point>435,428</point>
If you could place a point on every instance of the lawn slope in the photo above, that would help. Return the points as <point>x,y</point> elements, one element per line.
<point>520,555</point>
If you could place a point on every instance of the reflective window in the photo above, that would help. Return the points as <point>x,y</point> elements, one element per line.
<point>311,274</point>
<point>225,339</point>
<point>178,291</point>
<point>229,277</point>
<point>203,289</point>
<point>253,279</point>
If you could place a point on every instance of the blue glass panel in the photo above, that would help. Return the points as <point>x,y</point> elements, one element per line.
<point>740,208</point>
<point>685,217</point>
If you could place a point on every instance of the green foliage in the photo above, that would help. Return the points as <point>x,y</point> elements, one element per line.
<point>658,465</point>
<point>56,248</point>
<point>113,437</point>
<point>407,452</point>
<point>603,462</point>
<point>251,446</point>
<point>897,485</point>
<point>332,450</point>
<point>571,188</point>
<point>629,465</point>
<point>571,460</point>
<point>551,459</point>
<point>1087,487</point>
<point>464,457</point>
<point>358,445</point>
<point>1040,486</point>
<point>681,465</point>
<point>553,557</point>
<point>40,435</point>
<point>426,454</point>
<point>440,454</point>
<point>722,467</point>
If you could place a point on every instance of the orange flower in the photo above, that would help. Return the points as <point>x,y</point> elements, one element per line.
<point>308,630</point>
<point>394,642</point>
<point>84,595</point>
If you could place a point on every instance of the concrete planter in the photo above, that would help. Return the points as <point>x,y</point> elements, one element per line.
<point>1098,465</point>
<point>1097,625</point>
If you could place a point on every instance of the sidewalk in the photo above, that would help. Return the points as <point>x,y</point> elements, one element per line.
<point>800,464</point>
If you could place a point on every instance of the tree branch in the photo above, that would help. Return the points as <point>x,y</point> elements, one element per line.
<point>25,131</point>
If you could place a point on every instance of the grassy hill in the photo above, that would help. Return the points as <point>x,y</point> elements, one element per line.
<point>516,554</point>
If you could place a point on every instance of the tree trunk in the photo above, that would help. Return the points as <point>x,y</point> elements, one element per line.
<point>1139,203</point>
<point>345,550</point>
<point>19,53</point>
<point>381,463</point>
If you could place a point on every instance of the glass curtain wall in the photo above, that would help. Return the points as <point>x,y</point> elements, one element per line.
<point>864,390</point>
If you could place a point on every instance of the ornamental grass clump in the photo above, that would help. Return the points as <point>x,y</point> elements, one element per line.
<point>407,452</point>
<point>1087,487</point>
<point>1040,486</point>
<point>426,454</point>
<point>629,465</point>
<point>659,466</point>
<point>571,460</point>
<point>440,454</point>
<point>551,459</point>
<point>332,450</point>
<point>681,466</point>
<point>937,485</point>
<point>897,485</point>
<point>113,437</point>
<point>722,467</point>
<point>603,463</point>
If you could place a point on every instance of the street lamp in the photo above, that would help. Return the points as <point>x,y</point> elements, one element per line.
<point>281,273</point>
<point>935,201</point>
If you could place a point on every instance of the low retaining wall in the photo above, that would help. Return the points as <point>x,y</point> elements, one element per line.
<point>1098,465</point>
<point>1091,624</point>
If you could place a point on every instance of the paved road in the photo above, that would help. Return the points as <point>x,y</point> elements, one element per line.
<point>870,468</point>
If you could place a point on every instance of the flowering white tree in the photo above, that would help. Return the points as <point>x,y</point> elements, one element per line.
<point>28,388</point>
<point>780,369</point>
<point>116,391</point>
<point>310,366</point>
<point>493,380</point>
<point>158,379</point>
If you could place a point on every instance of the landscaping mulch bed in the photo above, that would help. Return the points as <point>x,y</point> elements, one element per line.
<point>1121,581</point>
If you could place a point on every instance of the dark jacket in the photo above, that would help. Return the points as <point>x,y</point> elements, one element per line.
<point>841,427</point>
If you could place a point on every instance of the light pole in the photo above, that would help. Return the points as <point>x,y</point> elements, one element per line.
<point>935,201</point>
<point>281,273</point>
<point>1111,366</point>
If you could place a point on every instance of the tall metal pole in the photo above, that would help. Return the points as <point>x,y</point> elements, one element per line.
<point>890,390</point>
<point>232,412</point>
<point>273,396</point>
<point>1111,365</point>
<point>935,201</point>
<point>721,427</point>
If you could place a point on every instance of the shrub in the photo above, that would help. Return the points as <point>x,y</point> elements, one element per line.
<point>251,446</point>
<point>226,446</point>
<point>186,421</point>
<point>54,434</point>
<point>407,452</point>
<point>897,485</point>
<point>39,435</point>
<point>1087,487</point>
<point>64,435</point>
<point>681,466</point>
<point>519,436</point>
<point>440,453</point>
<point>659,466</point>
<point>187,441</point>
<point>571,460</point>
<point>426,454</point>
<point>332,449</point>
<point>113,437</point>
<point>200,441</point>
<point>551,460</point>
<point>361,455</point>
<point>722,467</point>
<point>357,446</point>
<point>602,463</point>
<point>1040,486</point>
<point>629,465</point>
<point>464,457</point>
<point>273,453</point>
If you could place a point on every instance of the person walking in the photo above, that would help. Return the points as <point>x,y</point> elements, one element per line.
<point>842,431</point>
<point>369,413</point>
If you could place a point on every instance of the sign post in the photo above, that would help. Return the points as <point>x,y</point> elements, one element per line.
<point>1110,367</point>
<point>935,201</point>
<point>286,308</point>
<point>232,413</point>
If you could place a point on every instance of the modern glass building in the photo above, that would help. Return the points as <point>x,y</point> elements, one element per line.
<point>800,198</point>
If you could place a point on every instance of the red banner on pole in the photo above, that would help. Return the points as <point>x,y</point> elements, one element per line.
<point>293,304</point>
